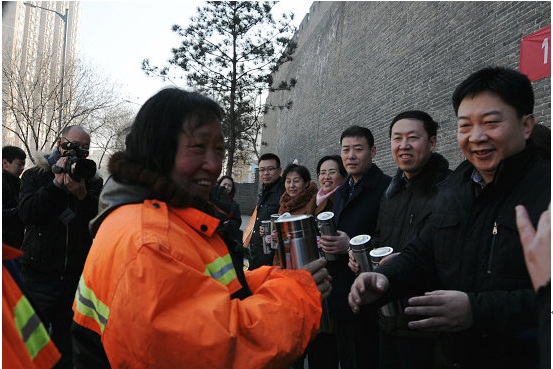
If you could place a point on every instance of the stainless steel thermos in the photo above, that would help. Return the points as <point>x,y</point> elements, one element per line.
<point>327,226</point>
<point>360,247</point>
<point>297,240</point>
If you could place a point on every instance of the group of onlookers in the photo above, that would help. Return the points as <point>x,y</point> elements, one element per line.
<point>146,269</point>
<point>457,271</point>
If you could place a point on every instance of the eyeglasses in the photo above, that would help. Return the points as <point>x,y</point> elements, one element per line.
<point>331,172</point>
<point>267,170</point>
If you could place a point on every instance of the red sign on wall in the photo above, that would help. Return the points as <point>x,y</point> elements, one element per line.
<point>535,54</point>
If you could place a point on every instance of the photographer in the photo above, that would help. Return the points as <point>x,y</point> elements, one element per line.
<point>58,198</point>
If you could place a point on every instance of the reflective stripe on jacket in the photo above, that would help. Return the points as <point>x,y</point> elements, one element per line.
<point>157,287</point>
<point>25,341</point>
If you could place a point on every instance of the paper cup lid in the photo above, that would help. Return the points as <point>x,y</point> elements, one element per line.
<point>360,239</point>
<point>381,251</point>
<point>326,215</point>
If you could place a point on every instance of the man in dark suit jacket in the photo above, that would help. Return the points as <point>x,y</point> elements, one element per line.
<point>268,202</point>
<point>356,206</point>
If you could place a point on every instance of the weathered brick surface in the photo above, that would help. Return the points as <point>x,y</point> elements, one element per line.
<point>364,62</point>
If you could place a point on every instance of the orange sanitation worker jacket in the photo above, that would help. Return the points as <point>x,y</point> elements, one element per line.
<point>157,288</point>
<point>25,341</point>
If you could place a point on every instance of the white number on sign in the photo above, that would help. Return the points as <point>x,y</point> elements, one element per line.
<point>545,47</point>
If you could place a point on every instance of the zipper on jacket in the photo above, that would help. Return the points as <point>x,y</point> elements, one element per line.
<point>494,236</point>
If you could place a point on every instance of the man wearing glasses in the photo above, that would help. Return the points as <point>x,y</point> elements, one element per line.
<point>56,208</point>
<point>272,188</point>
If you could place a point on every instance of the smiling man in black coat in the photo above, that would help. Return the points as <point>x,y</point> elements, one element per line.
<point>484,306</point>
<point>356,205</point>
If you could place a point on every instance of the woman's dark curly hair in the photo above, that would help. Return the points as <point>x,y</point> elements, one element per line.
<point>152,143</point>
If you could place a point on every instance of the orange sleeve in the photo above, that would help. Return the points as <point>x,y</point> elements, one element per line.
<point>14,352</point>
<point>181,317</point>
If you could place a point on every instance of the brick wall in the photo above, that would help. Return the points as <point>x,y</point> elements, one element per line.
<point>246,197</point>
<point>364,62</point>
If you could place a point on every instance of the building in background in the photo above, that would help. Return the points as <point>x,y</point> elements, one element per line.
<point>32,37</point>
<point>362,62</point>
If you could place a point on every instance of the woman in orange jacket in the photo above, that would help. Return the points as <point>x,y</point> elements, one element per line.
<point>163,285</point>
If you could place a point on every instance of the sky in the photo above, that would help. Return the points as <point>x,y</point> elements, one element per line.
<point>115,36</point>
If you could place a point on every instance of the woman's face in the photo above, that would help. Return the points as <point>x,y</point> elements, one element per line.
<point>294,184</point>
<point>226,184</point>
<point>199,159</point>
<point>329,176</point>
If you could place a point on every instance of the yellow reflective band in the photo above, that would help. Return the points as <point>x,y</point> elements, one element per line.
<point>30,327</point>
<point>89,305</point>
<point>222,269</point>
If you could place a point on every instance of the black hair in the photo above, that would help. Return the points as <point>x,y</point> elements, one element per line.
<point>10,153</point>
<point>430,126</point>
<point>358,131</point>
<point>153,138</point>
<point>300,169</point>
<point>337,159</point>
<point>270,156</point>
<point>511,86</point>
<point>233,191</point>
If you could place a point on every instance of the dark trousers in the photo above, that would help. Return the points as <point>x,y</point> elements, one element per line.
<point>322,352</point>
<point>398,352</point>
<point>53,300</point>
<point>358,343</point>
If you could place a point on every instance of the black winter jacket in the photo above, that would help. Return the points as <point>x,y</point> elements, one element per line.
<point>471,242</point>
<point>268,202</point>
<point>403,210</point>
<point>12,226</point>
<point>354,216</point>
<point>53,249</point>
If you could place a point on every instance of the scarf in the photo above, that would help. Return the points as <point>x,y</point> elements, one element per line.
<point>290,204</point>
<point>321,196</point>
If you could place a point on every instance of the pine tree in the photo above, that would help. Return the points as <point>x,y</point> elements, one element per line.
<point>228,52</point>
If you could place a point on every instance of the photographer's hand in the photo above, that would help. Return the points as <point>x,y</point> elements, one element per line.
<point>58,172</point>
<point>63,180</point>
<point>76,188</point>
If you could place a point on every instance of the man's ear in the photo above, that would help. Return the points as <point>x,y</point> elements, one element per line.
<point>433,140</point>
<point>528,122</point>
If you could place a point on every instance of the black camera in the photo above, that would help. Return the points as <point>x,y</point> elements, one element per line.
<point>77,166</point>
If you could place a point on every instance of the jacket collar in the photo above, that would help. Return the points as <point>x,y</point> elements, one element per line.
<point>273,186</point>
<point>435,170</point>
<point>369,179</point>
<point>509,171</point>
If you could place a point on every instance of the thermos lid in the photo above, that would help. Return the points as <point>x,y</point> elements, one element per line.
<point>381,252</point>
<point>286,217</point>
<point>360,239</point>
<point>325,215</point>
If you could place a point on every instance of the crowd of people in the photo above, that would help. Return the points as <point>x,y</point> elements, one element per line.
<point>147,269</point>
